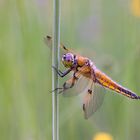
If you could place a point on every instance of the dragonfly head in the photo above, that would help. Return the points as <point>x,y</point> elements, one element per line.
<point>68,60</point>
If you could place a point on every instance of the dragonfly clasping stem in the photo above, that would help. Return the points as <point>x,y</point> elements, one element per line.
<point>61,90</point>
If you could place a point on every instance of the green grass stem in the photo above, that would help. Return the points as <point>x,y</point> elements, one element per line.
<point>55,62</point>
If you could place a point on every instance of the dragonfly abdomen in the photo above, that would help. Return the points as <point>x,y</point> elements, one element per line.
<point>128,92</point>
<point>107,82</point>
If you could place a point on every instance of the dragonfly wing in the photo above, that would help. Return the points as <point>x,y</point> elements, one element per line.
<point>78,83</point>
<point>63,48</point>
<point>79,87</point>
<point>48,42</point>
<point>92,102</point>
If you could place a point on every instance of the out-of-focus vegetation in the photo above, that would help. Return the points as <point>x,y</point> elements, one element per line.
<point>106,31</point>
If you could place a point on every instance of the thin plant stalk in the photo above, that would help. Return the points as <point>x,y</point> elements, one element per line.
<point>55,62</point>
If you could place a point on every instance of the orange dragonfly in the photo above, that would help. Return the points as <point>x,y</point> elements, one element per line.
<point>84,67</point>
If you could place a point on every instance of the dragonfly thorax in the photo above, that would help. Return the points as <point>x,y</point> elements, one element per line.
<point>68,60</point>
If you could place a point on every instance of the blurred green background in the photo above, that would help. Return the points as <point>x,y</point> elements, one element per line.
<point>107,31</point>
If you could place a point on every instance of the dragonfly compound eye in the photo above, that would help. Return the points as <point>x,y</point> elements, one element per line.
<point>68,60</point>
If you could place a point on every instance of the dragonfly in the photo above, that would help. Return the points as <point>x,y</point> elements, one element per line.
<point>83,67</point>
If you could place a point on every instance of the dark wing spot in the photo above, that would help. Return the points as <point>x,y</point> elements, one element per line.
<point>48,37</point>
<point>89,91</point>
<point>84,107</point>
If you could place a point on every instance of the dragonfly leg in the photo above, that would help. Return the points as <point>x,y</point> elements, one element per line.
<point>75,77</point>
<point>65,86</point>
<point>56,89</point>
<point>71,81</point>
<point>60,73</point>
<point>71,84</point>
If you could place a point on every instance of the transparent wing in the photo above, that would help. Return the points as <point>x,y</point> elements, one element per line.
<point>48,42</point>
<point>92,102</point>
<point>79,87</point>
<point>63,48</point>
<point>77,84</point>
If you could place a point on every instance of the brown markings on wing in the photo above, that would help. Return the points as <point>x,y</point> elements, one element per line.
<point>107,82</point>
<point>70,83</point>
<point>48,41</point>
